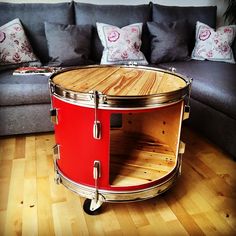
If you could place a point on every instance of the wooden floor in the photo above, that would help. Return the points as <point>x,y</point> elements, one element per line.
<point>203,201</point>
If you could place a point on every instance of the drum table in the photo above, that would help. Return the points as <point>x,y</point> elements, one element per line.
<point>137,158</point>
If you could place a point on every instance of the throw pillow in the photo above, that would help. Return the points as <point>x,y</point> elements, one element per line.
<point>214,45</point>
<point>192,14</point>
<point>68,45</point>
<point>169,41</point>
<point>121,45</point>
<point>15,48</point>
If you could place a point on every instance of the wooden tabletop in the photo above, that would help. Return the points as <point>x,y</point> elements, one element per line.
<point>119,80</point>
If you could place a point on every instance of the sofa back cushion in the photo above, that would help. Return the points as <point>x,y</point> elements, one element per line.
<point>15,48</point>
<point>117,15</point>
<point>206,15</point>
<point>68,45</point>
<point>33,16</point>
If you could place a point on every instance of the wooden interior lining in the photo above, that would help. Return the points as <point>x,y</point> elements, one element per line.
<point>138,159</point>
<point>146,147</point>
<point>163,124</point>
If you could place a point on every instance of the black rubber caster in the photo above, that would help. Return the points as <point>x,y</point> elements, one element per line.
<point>87,208</point>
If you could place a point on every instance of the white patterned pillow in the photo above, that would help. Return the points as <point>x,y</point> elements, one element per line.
<point>14,45</point>
<point>121,45</point>
<point>214,45</point>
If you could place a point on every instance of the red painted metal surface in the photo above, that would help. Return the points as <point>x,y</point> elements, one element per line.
<point>79,149</point>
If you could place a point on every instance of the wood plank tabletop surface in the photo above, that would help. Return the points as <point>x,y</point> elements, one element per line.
<point>119,81</point>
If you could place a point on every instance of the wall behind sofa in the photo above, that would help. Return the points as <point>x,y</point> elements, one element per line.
<point>221,4</point>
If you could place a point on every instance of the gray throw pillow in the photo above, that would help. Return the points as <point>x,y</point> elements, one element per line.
<point>68,45</point>
<point>205,14</point>
<point>169,41</point>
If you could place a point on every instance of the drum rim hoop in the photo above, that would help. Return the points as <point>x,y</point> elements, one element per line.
<point>109,101</point>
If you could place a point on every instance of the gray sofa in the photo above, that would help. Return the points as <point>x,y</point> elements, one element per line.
<point>25,100</point>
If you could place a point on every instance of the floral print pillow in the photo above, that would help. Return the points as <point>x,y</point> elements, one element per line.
<point>14,45</point>
<point>214,45</point>
<point>121,45</point>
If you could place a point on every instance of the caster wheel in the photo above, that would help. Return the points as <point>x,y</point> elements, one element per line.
<point>87,208</point>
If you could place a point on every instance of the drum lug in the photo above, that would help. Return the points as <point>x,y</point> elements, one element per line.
<point>97,129</point>
<point>54,115</point>
<point>97,123</point>
<point>186,112</point>
<point>56,152</point>
<point>180,164</point>
<point>187,106</point>
<point>181,152</point>
<point>96,175</point>
<point>96,170</point>
<point>92,206</point>
<point>52,88</point>
<point>181,147</point>
<point>56,156</point>
<point>57,178</point>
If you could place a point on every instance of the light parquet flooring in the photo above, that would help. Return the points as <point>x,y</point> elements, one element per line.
<point>202,202</point>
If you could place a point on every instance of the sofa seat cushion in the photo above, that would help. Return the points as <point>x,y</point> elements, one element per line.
<point>23,89</point>
<point>118,15</point>
<point>214,83</point>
